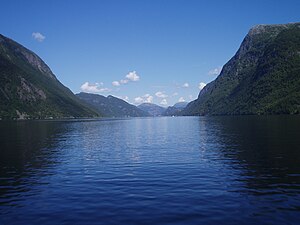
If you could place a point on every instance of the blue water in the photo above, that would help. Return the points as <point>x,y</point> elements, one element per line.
<point>182,170</point>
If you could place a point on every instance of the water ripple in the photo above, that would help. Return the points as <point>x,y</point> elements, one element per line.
<point>189,170</point>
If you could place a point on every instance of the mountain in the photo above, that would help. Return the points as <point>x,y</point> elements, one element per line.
<point>111,106</point>
<point>29,89</point>
<point>180,105</point>
<point>263,77</point>
<point>152,109</point>
<point>175,109</point>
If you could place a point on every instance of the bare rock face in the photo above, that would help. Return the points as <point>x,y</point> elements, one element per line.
<point>28,92</point>
<point>21,116</point>
<point>37,63</point>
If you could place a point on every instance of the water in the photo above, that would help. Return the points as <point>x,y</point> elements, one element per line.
<point>185,170</point>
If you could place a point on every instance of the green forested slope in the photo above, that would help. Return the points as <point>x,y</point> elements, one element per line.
<point>28,88</point>
<point>262,78</point>
<point>111,106</point>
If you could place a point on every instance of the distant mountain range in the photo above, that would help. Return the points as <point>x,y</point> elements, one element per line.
<point>156,110</point>
<point>111,106</point>
<point>175,109</point>
<point>152,109</point>
<point>29,89</point>
<point>262,78</point>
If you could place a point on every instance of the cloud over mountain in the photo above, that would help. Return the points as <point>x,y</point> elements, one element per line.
<point>201,85</point>
<point>116,83</point>
<point>215,71</point>
<point>147,98</point>
<point>185,85</point>
<point>133,76</point>
<point>160,94</point>
<point>38,36</point>
<point>93,88</point>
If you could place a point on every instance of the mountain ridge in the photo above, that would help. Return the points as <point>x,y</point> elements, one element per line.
<point>111,106</point>
<point>263,77</point>
<point>29,89</point>
<point>152,109</point>
<point>176,109</point>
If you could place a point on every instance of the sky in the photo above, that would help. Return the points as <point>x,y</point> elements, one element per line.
<point>161,52</point>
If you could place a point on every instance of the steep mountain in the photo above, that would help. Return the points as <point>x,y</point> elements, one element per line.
<point>263,77</point>
<point>152,109</point>
<point>175,109</point>
<point>29,89</point>
<point>111,106</point>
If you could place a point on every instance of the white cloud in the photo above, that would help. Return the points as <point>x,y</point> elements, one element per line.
<point>175,94</point>
<point>125,98</point>
<point>115,83</point>
<point>164,102</point>
<point>147,98</point>
<point>160,94</point>
<point>185,85</point>
<point>138,100</point>
<point>93,88</point>
<point>124,81</point>
<point>202,85</point>
<point>215,71</point>
<point>100,84</point>
<point>133,76</point>
<point>181,99</point>
<point>38,36</point>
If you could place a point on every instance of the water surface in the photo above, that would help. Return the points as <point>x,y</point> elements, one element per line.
<point>182,170</point>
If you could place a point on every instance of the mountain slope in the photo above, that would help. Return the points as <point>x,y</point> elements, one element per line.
<point>111,106</point>
<point>262,78</point>
<point>28,88</point>
<point>152,109</point>
<point>175,109</point>
<point>180,105</point>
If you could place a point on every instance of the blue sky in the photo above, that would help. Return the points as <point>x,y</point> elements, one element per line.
<point>153,51</point>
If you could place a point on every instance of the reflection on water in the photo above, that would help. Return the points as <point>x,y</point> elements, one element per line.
<point>28,150</point>
<point>265,149</point>
<point>186,170</point>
